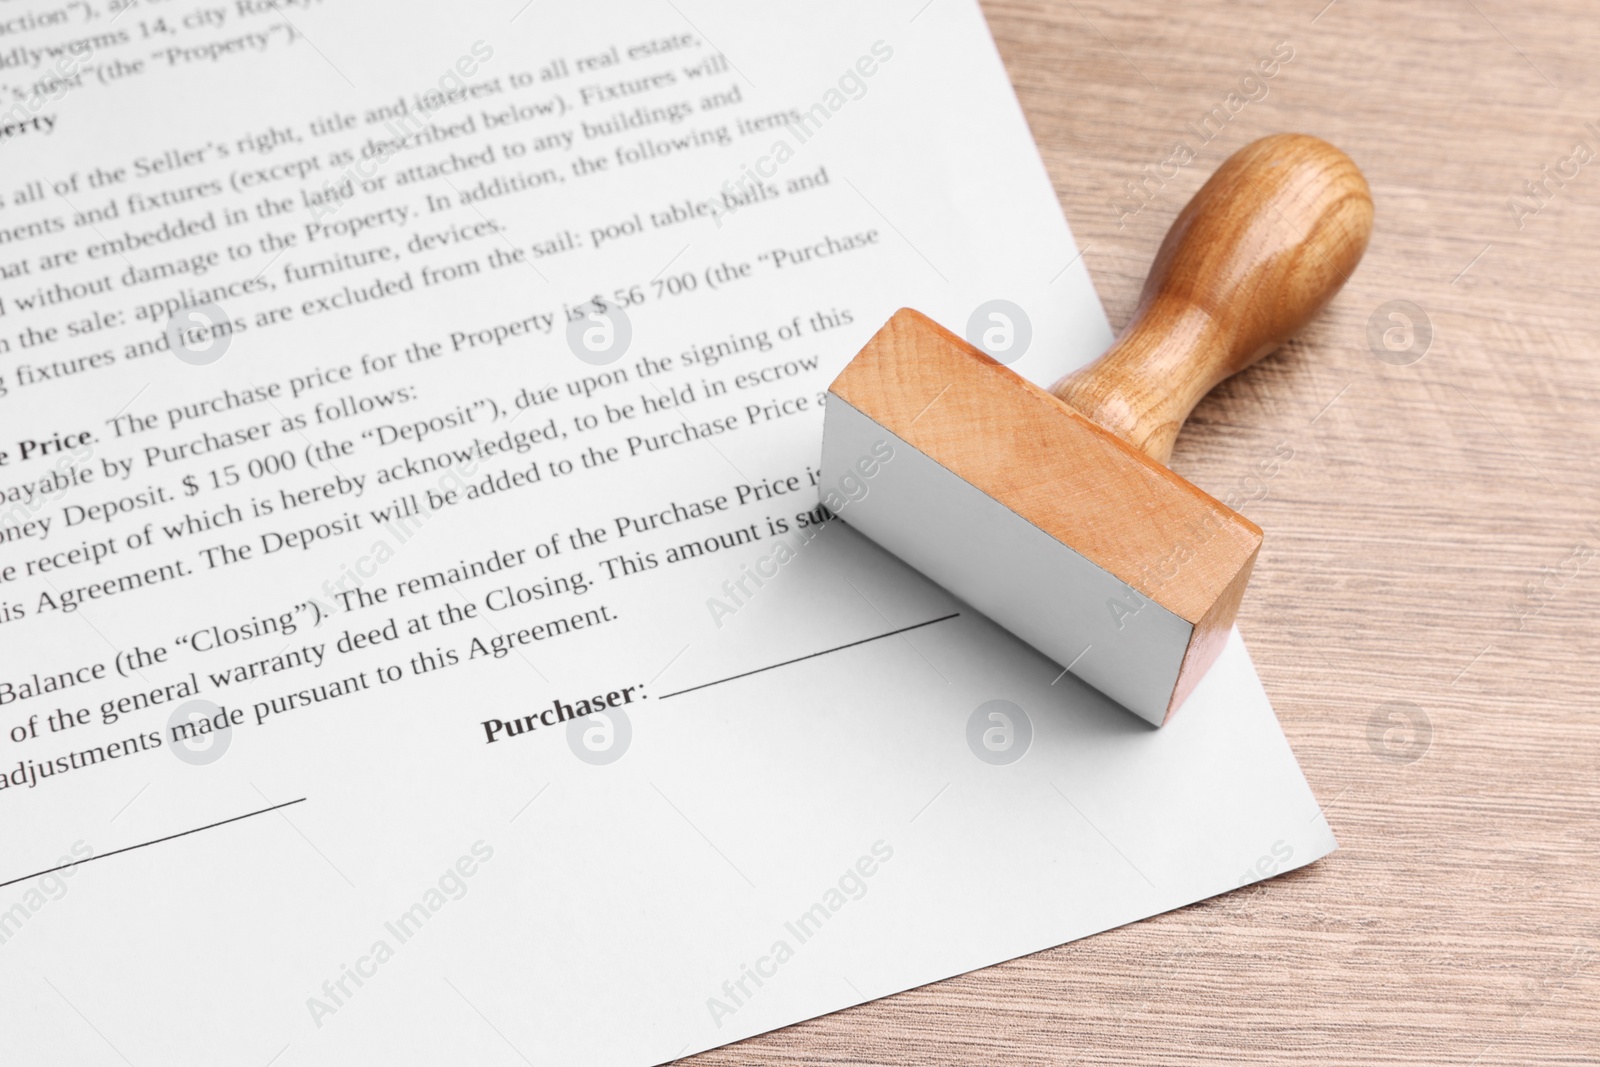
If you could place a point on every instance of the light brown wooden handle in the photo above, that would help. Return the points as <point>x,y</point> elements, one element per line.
<point>1250,260</point>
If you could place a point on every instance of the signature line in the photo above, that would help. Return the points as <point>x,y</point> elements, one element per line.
<point>157,841</point>
<point>813,655</point>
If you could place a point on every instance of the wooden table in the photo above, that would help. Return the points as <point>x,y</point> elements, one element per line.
<point>1424,611</point>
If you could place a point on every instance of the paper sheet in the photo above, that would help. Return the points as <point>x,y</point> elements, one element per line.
<point>418,642</point>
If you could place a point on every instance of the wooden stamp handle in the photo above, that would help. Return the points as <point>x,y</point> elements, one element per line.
<point>1250,260</point>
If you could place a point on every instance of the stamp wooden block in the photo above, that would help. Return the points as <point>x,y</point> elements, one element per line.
<point>1053,512</point>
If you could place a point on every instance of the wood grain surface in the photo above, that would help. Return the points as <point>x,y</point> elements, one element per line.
<point>1424,610</point>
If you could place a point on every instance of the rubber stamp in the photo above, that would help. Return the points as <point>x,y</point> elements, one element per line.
<point>1053,511</point>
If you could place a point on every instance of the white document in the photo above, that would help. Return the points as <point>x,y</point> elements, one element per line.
<point>419,641</point>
